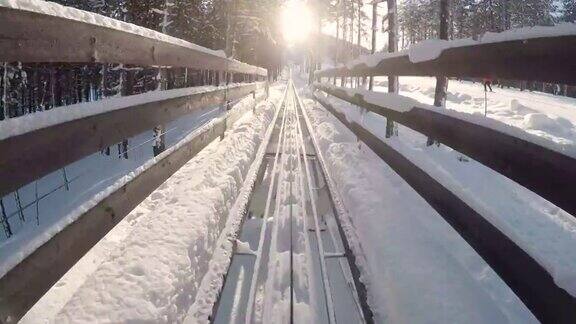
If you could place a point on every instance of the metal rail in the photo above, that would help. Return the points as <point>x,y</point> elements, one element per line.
<point>24,284</point>
<point>323,255</point>
<point>258,262</point>
<point>62,144</point>
<point>546,172</point>
<point>27,35</point>
<point>528,279</point>
<point>547,59</point>
<point>360,288</point>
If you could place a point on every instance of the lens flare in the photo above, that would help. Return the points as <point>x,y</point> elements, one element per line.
<point>296,22</point>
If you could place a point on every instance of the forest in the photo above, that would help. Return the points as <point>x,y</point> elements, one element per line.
<point>247,30</point>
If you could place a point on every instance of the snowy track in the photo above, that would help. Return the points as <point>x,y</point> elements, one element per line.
<point>289,263</point>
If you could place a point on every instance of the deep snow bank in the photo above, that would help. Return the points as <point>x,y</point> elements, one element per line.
<point>154,273</point>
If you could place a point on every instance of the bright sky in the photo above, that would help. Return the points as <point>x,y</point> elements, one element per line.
<point>297,21</point>
<point>381,38</point>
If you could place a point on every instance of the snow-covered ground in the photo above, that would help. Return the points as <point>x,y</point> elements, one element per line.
<point>149,267</point>
<point>542,114</point>
<point>87,178</point>
<point>413,256</point>
<point>418,269</point>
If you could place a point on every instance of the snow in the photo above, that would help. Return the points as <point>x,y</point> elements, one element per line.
<point>431,49</point>
<point>21,125</point>
<point>545,232</point>
<point>165,242</point>
<point>57,10</point>
<point>208,289</point>
<point>154,273</point>
<point>404,102</point>
<point>554,121</point>
<point>417,268</point>
<point>96,176</point>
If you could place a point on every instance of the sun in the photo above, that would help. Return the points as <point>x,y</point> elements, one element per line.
<point>296,21</point>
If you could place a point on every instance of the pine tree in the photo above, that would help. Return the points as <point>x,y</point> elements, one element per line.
<point>568,11</point>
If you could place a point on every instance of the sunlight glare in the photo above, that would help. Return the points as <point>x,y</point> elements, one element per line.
<point>296,21</point>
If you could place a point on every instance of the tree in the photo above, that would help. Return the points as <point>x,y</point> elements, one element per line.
<point>441,82</point>
<point>392,47</point>
<point>569,10</point>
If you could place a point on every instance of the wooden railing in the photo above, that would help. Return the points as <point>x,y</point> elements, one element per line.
<point>27,35</point>
<point>535,164</point>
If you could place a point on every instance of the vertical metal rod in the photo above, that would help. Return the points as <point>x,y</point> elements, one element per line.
<point>5,223</point>
<point>66,183</point>
<point>20,211</point>
<point>37,202</point>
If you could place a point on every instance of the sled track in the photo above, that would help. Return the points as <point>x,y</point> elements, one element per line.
<point>291,261</point>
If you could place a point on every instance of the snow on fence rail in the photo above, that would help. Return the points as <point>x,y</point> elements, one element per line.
<point>539,165</point>
<point>66,134</point>
<point>524,275</point>
<point>31,277</point>
<point>546,56</point>
<point>41,31</point>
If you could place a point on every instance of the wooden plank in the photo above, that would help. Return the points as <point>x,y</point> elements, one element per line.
<point>27,36</point>
<point>22,286</point>
<point>62,144</point>
<point>548,59</point>
<point>528,279</point>
<point>546,172</point>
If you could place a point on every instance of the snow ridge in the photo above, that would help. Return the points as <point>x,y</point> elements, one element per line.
<point>154,275</point>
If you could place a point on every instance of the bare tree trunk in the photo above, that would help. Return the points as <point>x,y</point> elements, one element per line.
<point>359,36</point>
<point>392,47</point>
<point>160,130</point>
<point>374,28</point>
<point>344,38</point>
<point>230,28</point>
<point>337,41</point>
<point>5,91</point>
<point>441,82</point>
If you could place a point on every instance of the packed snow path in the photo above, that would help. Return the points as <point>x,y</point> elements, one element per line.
<point>289,264</point>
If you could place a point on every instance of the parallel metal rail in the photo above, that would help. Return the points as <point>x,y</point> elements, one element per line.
<point>546,172</point>
<point>61,144</point>
<point>358,287</point>
<point>33,36</point>
<point>528,279</point>
<point>547,59</point>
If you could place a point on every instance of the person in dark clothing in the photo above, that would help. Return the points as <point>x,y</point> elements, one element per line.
<point>487,84</point>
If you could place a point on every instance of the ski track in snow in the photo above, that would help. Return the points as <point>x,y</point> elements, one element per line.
<point>152,274</point>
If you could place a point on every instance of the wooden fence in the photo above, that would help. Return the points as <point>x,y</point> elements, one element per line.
<point>540,167</point>
<point>35,37</point>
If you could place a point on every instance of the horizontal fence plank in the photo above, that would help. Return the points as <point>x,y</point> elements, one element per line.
<point>31,36</point>
<point>529,281</point>
<point>546,172</point>
<point>59,145</point>
<point>547,59</point>
<point>27,282</point>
